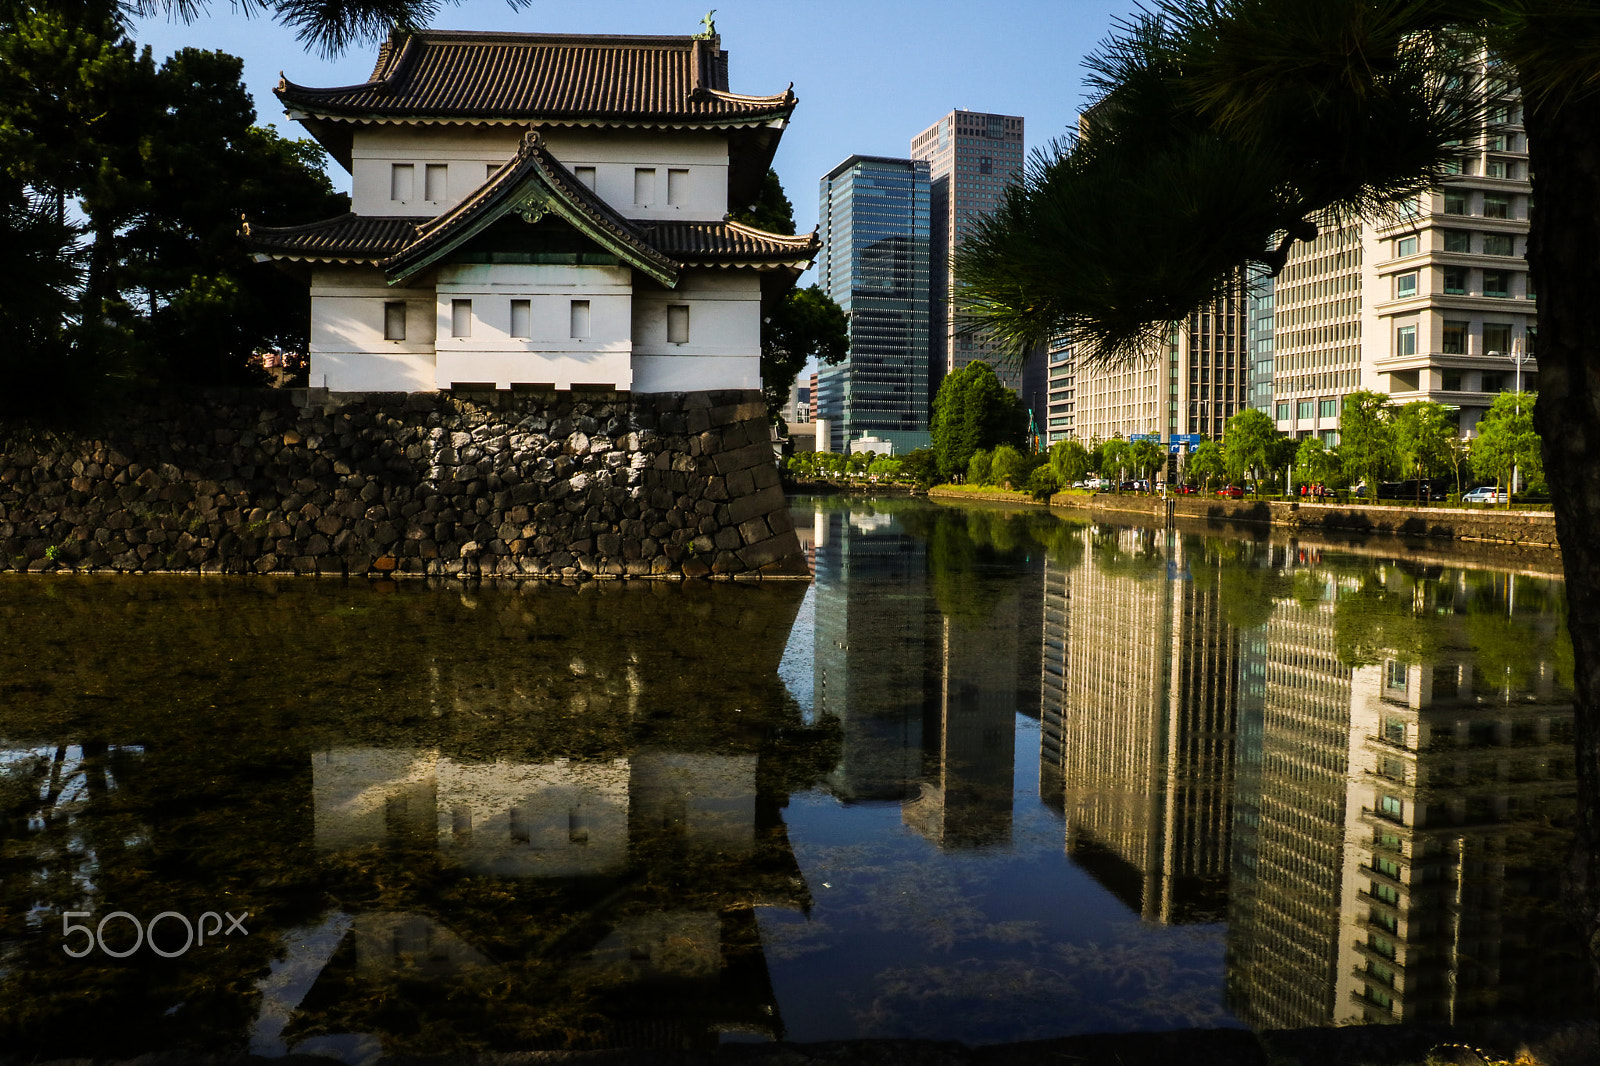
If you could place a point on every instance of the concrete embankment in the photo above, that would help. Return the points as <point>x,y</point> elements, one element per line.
<point>552,485</point>
<point>1532,529</point>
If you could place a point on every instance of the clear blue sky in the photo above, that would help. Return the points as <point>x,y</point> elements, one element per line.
<point>869,74</point>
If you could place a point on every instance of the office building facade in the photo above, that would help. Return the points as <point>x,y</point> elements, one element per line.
<point>875,263</point>
<point>972,156</point>
<point>1431,303</point>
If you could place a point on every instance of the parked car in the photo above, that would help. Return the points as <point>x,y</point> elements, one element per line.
<point>1186,490</point>
<point>1485,494</point>
<point>1233,492</point>
<point>1427,489</point>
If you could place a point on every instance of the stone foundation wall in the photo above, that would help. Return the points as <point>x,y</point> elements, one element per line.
<point>553,485</point>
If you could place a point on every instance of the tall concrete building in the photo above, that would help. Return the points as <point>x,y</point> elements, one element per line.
<point>875,263</point>
<point>972,156</point>
<point>1061,405</point>
<point>1190,385</point>
<point>1433,303</point>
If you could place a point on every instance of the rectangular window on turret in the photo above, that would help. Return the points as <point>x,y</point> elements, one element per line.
<point>677,323</point>
<point>585,176</point>
<point>460,318</point>
<point>644,186</point>
<point>402,181</point>
<point>435,177</point>
<point>579,317</point>
<point>394,320</point>
<point>522,319</point>
<point>677,187</point>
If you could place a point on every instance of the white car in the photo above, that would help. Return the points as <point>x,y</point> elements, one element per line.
<point>1485,494</point>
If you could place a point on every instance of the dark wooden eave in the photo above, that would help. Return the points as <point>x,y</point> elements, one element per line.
<point>348,238</point>
<point>729,244</point>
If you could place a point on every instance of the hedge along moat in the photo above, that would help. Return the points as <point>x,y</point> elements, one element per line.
<point>508,484</point>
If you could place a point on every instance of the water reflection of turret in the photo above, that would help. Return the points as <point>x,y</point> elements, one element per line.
<point>1147,710</point>
<point>874,626</point>
<point>1462,774</point>
<point>624,832</point>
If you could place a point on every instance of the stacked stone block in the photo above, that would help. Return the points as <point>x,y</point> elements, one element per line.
<point>553,485</point>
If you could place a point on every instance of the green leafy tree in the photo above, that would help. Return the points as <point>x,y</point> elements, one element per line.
<point>161,163</point>
<point>1366,438</point>
<point>1225,127</point>
<point>1207,462</point>
<point>801,325</point>
<point>1145,457</point>
<point>1247,442</point>
<point>920,467</point>
<point>1115,459</point>
<point>1042,483</point>
<point>1281,453</point>
<point>1007,467</point>
<point>1314,463</point>
<point>772,210</point>
<point>1070,461</point>
<point>974,410</point>
<point>978,468</point>
<point>1507,440</point>
<point>1422,434</point>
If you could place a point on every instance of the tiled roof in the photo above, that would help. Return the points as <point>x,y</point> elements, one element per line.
<point>348,238</point>
<point>554,190</point>
<point>730,243</point>
<point>550,78</point>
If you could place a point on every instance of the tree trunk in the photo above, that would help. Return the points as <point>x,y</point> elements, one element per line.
<point>1564,153</point>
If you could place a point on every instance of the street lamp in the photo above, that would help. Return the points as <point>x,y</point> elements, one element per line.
<point>1519,355</point>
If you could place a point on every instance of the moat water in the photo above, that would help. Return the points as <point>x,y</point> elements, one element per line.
<point>994,775</point>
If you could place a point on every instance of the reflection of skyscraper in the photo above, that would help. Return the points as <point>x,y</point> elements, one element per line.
<point>1452,863</point>
<point>874,264</point>
<point>967,793</point>
<point>873,629</point>
<point>1399,853</point>
<point>1284,905</point>
<point>1147,714</point>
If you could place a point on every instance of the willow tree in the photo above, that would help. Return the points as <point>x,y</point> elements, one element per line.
<point>1228,129</point>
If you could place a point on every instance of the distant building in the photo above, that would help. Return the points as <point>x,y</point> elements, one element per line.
<point>1189,385</point>
<point>1061,404</point>
<point>972,156</point>
<point>874,263</point>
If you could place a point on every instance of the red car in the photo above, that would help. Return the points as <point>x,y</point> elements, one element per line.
<point>1186,490</point>
<point>1233,492</point>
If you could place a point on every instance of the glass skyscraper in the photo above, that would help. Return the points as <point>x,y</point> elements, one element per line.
<point>875,264</point>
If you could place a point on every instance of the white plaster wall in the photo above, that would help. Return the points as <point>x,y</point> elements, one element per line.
<point>349,352</point>
<point>615,155</point>
<point>724,346</point>
<point>550,355</point>
<point>472,154</point>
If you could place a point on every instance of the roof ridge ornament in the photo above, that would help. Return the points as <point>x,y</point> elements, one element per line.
<point>710,25</point>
